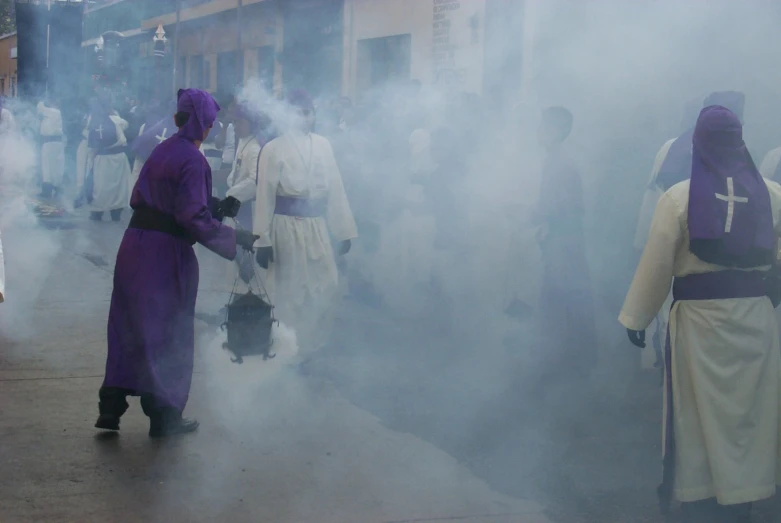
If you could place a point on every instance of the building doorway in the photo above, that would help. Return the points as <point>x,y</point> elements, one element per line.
<point>383,60</point>
<point>229,75</point>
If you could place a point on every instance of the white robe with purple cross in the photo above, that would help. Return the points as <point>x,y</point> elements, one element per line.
<point>726,365</point>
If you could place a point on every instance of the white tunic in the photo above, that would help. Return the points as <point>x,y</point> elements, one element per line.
<point>52,153</point>
<point>726,381</point>
<point>770,164</point>
<point>303,279</point>
<point>242,186</point>
<point>7,122</point>
<point>110,174</point>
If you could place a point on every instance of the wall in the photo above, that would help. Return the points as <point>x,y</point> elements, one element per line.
<point>447,37</point>
<point>7,65</point>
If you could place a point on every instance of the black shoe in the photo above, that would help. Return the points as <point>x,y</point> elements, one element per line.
<point>172,428</point>
<point>96,216</point>
<point>116,215</point>
<point>106,422</point>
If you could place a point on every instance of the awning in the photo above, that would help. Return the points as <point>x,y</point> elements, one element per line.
<point>127,34</point>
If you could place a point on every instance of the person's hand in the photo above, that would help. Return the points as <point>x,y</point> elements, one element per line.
<point>229,207</point>
<point>637,338</point>
<point>344,247</point>
<point>245,239</point>
<point>264,256</point>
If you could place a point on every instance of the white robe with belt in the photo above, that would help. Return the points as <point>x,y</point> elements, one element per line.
<point>52,153</point>
<point>726,366</point>
<point>111,173</point>
<point>303,279</point>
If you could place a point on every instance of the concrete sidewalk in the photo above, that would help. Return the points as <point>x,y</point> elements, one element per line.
<point>273,447</point>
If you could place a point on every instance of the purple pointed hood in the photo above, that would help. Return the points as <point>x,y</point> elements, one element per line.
<point>730,217</point>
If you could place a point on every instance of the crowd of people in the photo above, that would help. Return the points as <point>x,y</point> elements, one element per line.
<point>401,169</point>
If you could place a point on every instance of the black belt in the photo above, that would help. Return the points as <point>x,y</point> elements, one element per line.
<point>51,139</point>
<point>111,150</point>
<point>148,219</point>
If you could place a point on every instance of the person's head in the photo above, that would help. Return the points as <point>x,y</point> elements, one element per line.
<point>718,135</point>
<point>735,101</point>
<point>300,100</point>
<point>249,121</point>
<point>555,126</point>
<point>196,112</point>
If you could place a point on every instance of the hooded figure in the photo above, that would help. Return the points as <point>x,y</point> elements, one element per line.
<point>250,126</point>
<point>713,239</point>
<point>158,126</point>
<point>301,206</point>
<point>52,148</point>
<point>151,325</point>
<point>109,168</point>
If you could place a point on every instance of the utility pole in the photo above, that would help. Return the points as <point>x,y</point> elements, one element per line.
<point>176,41</point>
<point>239,51</point>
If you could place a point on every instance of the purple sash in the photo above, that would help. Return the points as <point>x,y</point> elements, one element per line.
<point>300,207</point>
<point>720,285</point>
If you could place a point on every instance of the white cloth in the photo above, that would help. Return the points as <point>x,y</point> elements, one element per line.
<point>229,149</point>
<point>726,366</point>
<point>770,164</point>
<point>83,161</point>
<point>303,280</point>
<point>7,122</point>
<point>52,153</point>
<point>242,179</point>
<point>110,175</point>
<point>215,162</point>
<point>651,197</point>
<point>652,194</point>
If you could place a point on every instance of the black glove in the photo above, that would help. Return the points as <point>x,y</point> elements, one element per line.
<point>637,338</point>
<point>214,208</point>
<point>344,247</point>
<point>264,256</point>
<point>245,239</point>
<point>229,207</point>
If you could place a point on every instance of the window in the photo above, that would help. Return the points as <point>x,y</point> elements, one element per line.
<point>197,78</point>
<point>382,60</point>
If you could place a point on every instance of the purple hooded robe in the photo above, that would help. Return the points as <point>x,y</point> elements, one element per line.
<point>151,319</point>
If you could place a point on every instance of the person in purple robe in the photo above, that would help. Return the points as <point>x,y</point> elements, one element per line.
<point>151,318</point>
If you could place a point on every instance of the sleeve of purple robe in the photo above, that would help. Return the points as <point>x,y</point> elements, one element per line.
<point>191,210</point>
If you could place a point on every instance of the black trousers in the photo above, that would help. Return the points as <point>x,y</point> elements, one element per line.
<point>113,403</point>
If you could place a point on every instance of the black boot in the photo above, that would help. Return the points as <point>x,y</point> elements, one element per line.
<point>116,215</point>
<point>96,216</point>
<point>165,421</point>
<point>46,190</point>
<point>113,404</point>
<point>704,511</point>
<point>736,513</point>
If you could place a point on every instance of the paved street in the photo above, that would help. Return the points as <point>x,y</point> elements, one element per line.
<point>274,445</point>
<point>395,422</point>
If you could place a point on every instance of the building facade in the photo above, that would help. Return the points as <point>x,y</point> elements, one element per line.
<point>330,47</point>
<point>8,76</point>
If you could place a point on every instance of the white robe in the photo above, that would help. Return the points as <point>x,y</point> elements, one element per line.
<point>242,186</point>
<point>52,153</point>
<point>110,175</point>
<point>770,164</point>
<point>726,383</point>
<point>303,279</point>
<point>7,122</point>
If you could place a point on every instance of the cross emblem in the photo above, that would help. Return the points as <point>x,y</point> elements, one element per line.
<point>730,199</point>
<point>162,135</point>
<point>99,130</point>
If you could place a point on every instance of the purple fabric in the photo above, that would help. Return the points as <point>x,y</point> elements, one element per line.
<point>720,159</point>
<point>146,142</point>
<point>300,207</point>
<point>203,111</point>
<point>721,285</point>
<point>301,99</point>
<point>151,325</point>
